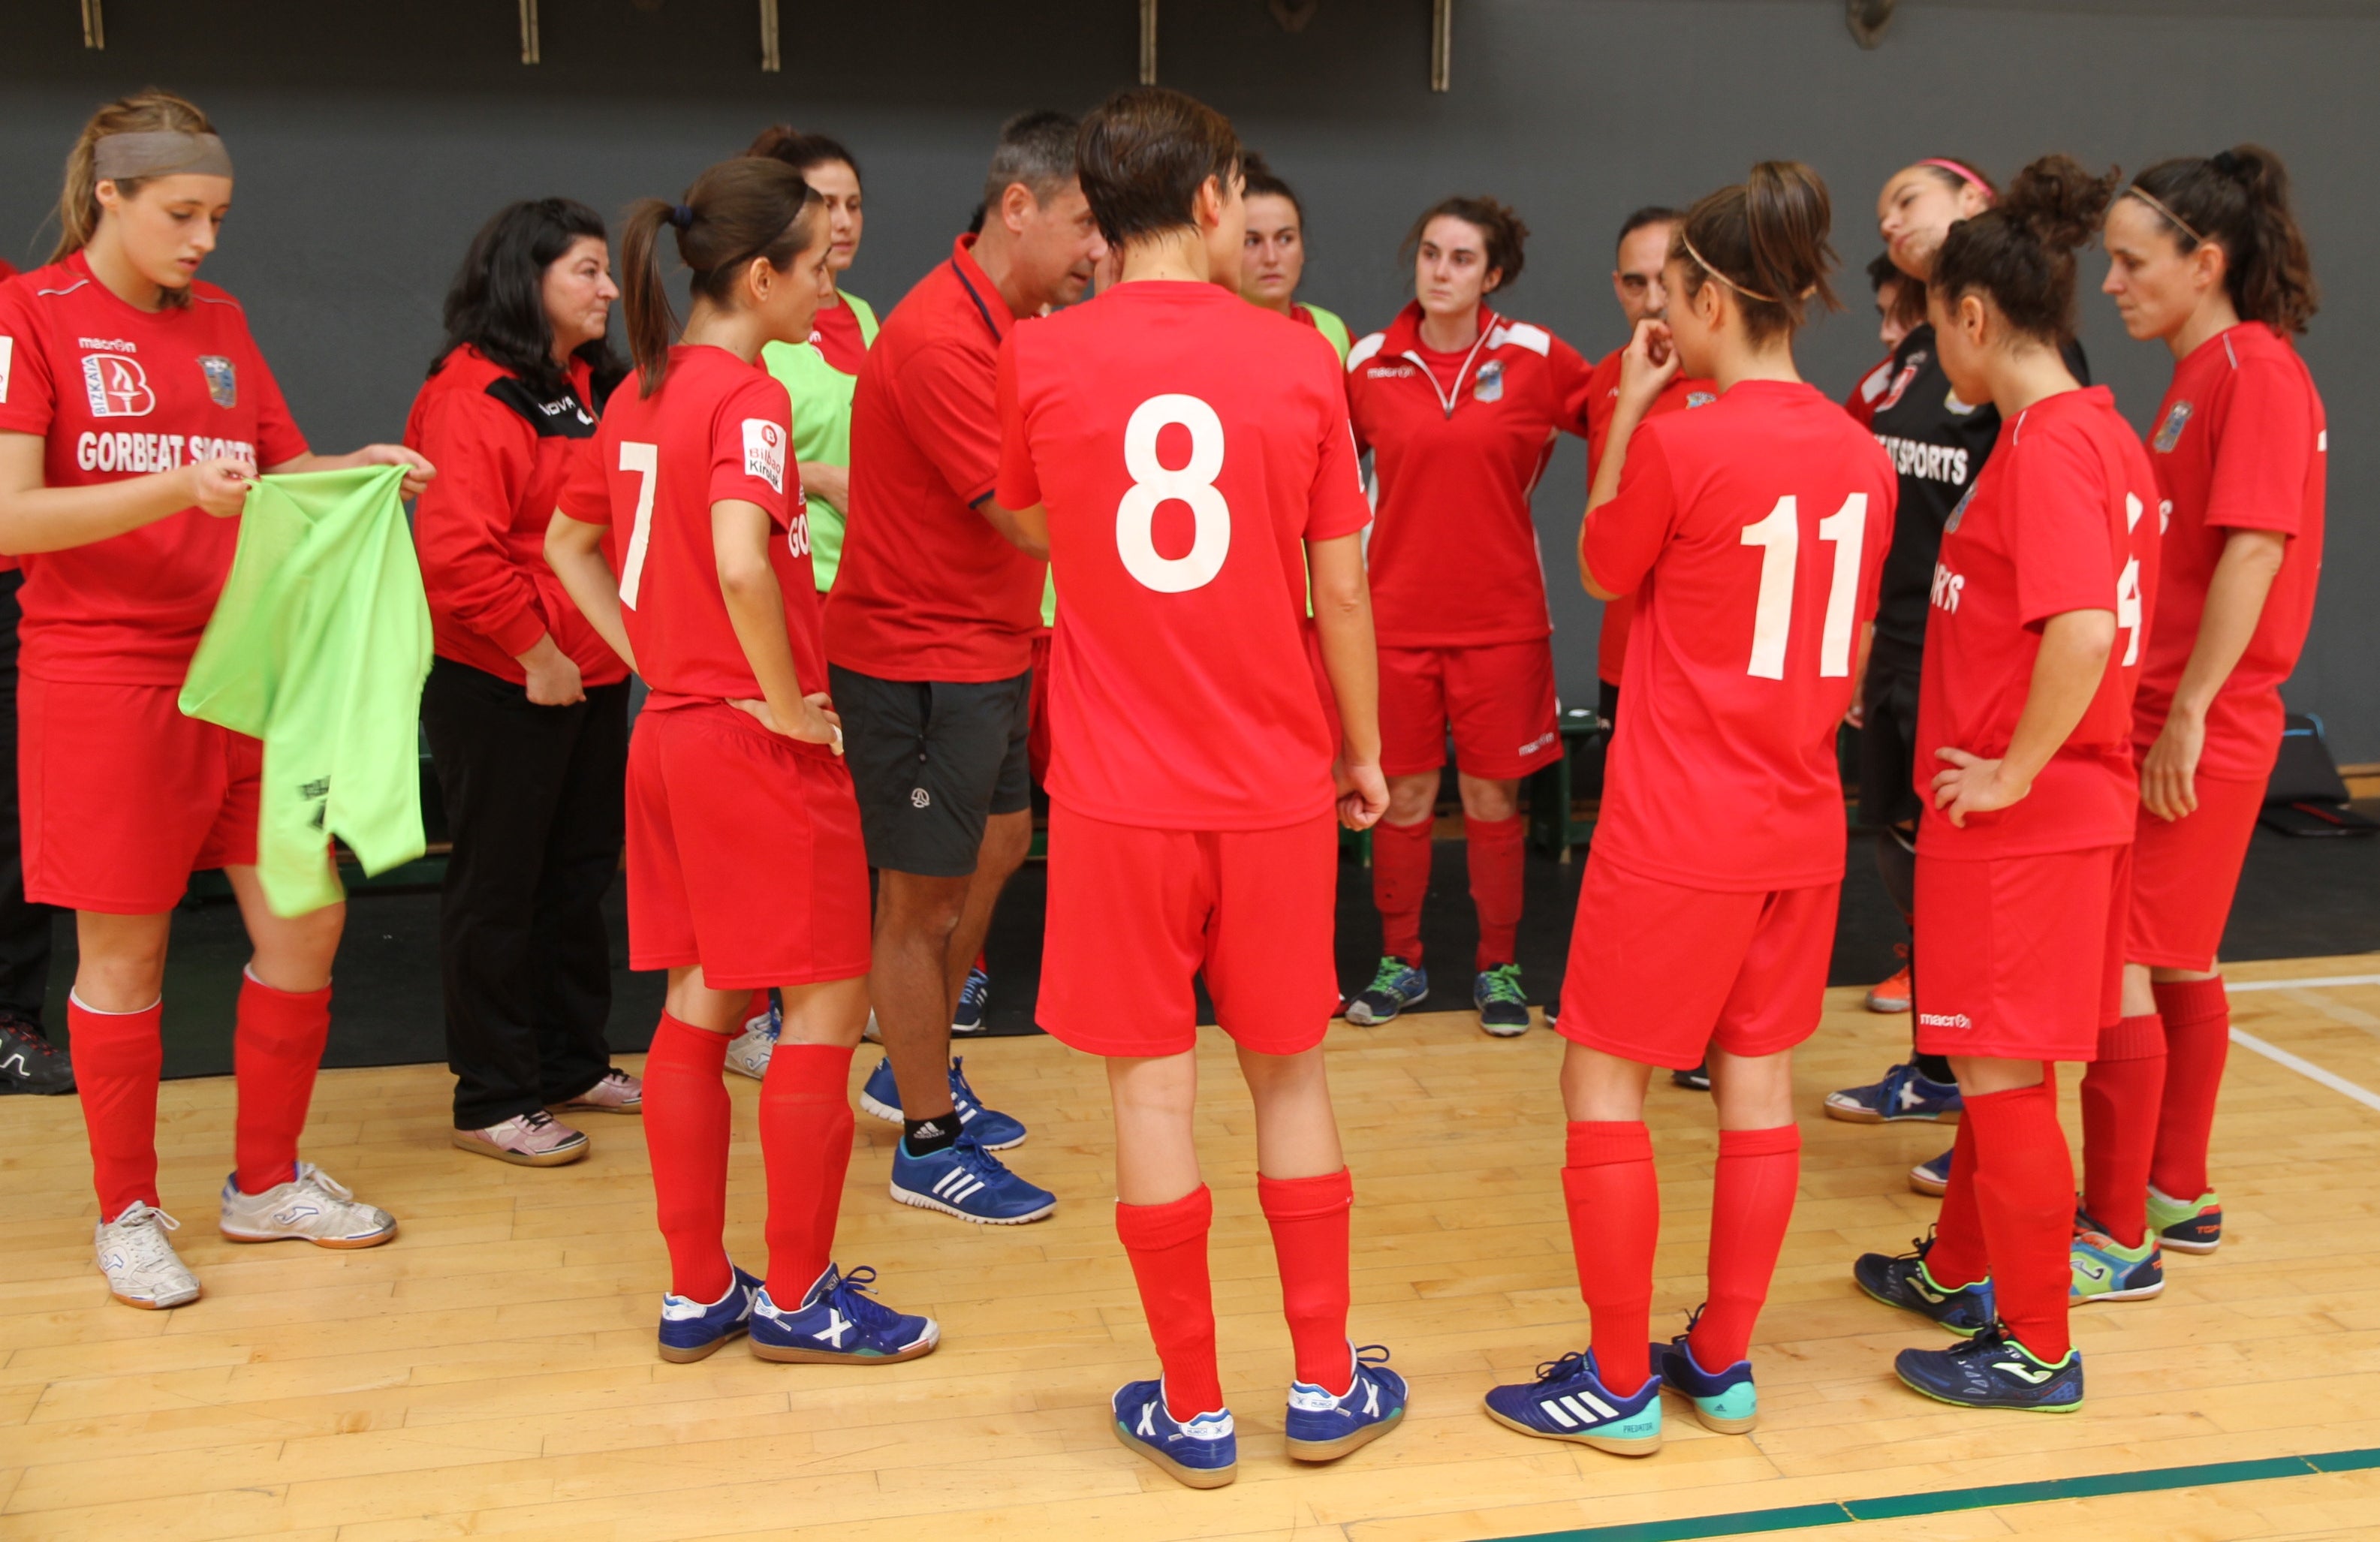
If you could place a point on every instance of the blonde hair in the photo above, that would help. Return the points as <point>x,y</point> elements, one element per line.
<point>149,112</point>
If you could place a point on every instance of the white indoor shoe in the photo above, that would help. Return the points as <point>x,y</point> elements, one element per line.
<point>312,1207</point>
<point>139,1260</point>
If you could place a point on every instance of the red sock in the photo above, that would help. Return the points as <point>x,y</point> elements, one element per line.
<point>1615,1223</point>
<point>2197,1039</point>
<point>1400,855</point>
<point>1309,1216</point>
<point>1167,1244</point>
<point>118,1059</point>
<point>687,1114</point>
<point>2024,1194</point>
<point>276,1050</point>
<point>1752,1200</point>
<point>2122,1093</point>
<point>1958,1257</point>
<point>806,1127</point>
<point>1495,848</point>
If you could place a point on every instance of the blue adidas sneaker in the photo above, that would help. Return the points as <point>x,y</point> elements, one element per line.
<point>838,1323</point>
<point>1905,1093</point>
<point>1902,1282</point>
<point>965,1180</point>
<point>975,1001</point>
<point>1323,1426</point>
<point>1992,1370</point>
<point>992,1130</point>
<point>693,1330</point>
<point>1396,985</point>
<point>1724,1400</point>
<point>1201,1452</point>
<point>1569,1402</point>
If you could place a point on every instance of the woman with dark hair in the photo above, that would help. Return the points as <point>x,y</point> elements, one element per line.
<point>525,708</point>
<point>1272,259</point>
<point>1459,406</point>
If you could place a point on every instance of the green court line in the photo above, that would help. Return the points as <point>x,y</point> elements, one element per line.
<point>1895,1507</point>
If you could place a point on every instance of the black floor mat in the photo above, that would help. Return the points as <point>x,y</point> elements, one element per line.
<point>2297,898</point>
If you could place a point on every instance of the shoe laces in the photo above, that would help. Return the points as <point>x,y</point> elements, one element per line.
<point>312,1177</point>
<point>849,1294</point>
<point>977,990</point>
<point>1503,985</point>
<point>1391,969</point>
<point>961,1090</point>
<point>535,1119</point>
<point>969,1153</point>
<point>1568,1368</point>
<point>142,1229</point>
<point>20,1033</point>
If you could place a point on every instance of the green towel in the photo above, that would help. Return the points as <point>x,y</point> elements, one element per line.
<point>318,647</point>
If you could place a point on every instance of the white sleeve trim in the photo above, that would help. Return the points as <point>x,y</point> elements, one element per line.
<point>1365,349</point>
<point>1521,335</point>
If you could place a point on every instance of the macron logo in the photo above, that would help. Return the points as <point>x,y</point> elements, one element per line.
<point>1945,1020</point>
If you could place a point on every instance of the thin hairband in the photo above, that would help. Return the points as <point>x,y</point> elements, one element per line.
<point>682,216</point>
<point>1712,268</point>
<point>2136,190</point>
<point>1964,175</point>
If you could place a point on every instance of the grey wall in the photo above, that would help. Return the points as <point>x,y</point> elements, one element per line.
<point>373,135</point>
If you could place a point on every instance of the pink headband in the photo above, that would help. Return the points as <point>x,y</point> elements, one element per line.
<point>1966,176</point>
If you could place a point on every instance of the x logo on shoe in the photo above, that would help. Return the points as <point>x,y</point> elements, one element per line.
<point>837,1324</point>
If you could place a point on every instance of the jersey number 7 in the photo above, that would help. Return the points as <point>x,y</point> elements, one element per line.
<point>1778,536</point>
<point>1155,483</point>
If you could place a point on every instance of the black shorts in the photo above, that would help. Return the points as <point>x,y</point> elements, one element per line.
<point>932,761</point>
<point>1887,748</point>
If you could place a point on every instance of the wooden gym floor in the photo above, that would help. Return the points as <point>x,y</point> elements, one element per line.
<point>493,1371</point>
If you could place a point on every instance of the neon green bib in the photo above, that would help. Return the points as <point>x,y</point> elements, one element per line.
<point>821,425</point>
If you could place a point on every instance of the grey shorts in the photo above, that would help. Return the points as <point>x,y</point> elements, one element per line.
<point>932,761</point>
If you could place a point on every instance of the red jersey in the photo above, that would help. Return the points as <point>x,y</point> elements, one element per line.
<point>928,590</point>
<point>1457,446</point>
<point>1870,391</point>
<point>717,430</point>
<point>1602,397</point>
<point>2240,443</point>
<point>502,453</point>
<point>1185,442</point>
<point>1753,535</point>
<point>2062,517</point>
<point>837,336</point>
<point>118,391</point>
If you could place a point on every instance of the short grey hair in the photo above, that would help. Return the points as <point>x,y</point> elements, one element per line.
<point>1037,149</point>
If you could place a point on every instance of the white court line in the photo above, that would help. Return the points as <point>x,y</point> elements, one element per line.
<point>2316,983</point>
<point>2307,1068</point>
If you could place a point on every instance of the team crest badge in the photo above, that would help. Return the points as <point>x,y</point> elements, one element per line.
<point>1699,398</point>
<point>1491,385</point>
<point>1960,513</point>
<point>1901,382</point>
<point>2168,435</point>
<point>223,381</point>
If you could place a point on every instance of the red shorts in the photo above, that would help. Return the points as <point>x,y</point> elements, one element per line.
<point>123,798</point>
<point>1499,697</point>
<point>1036,708</point>
<point>1135,913</point>
<point>1663,974</point>
<point>2185,874</point>
<point>744,853</point>
<point>2020,957</point>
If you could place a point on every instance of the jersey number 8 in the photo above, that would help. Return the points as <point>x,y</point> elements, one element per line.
<point>1778,536</point>
<point>1155,483</point>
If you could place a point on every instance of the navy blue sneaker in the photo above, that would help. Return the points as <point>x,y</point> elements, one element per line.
<point>693,1330</point>
<point>965,1180</point>
<point>1902,1282</point>
<point>1396,985</point>
<point>1201,1453</point>
<point>992,1130</point>
<point>1724,1400</point>
<point>1932,1176</point>
<point>1696,1080</point>
<point>975,1000</point>
<point>838,1323</point>
<point>1323,1428</point>
<point>1992,1370</point>
<point>1569,1402</point>
<point>1905,1093</point>
<point>1502,1001</point>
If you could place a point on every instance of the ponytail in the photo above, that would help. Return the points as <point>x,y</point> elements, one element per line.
<point>1767,240</point>
<point>2020,251</point>
<point>737,210</point>
<point>2239,199</point>
<point>149,112</point>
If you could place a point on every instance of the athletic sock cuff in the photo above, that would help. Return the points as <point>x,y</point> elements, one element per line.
<point>678,1043</point>
<point>1603,1143</point>
<point>2015,1098</point>
<point>808,1074</point>
<point>1473,828</point>
<point>2188,1003</point>
<point>2140,1038</point>
<point>1773,1142</point>
<point>1154,1228</point>
<point>1305,1199</point>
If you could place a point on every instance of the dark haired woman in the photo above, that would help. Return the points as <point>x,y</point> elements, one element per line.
<point>2045,577</point>
<point>1459,406</point>
<point>525,708</point>
<point>1752,533</point>
<point>138,410</point>
<point>736,787</point>
<point>2206,257</point>
<point>1272,260</point>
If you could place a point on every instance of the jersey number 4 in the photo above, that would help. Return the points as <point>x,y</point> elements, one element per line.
<point>1154,483</point>
<point>1778,536</point>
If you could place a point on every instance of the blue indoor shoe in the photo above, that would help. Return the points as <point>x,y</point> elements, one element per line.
<point>1992,1370</point>
<point>1569,1402</point>
<point>965,1180</point>
<point>992,1130</point>
<point>839,1323</point>
<point>1724,1400</point>
<point>1396,985</point>
<point>1905,1093</point>
<point>1903,1281</point>
<point>975,1000</point>
<point>1322,1426</point>
<point>693,1330</point>
<point>1201,1452</point>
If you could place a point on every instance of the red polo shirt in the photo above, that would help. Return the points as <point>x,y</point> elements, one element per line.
<point>1602,397</point>
<point>928,590</point>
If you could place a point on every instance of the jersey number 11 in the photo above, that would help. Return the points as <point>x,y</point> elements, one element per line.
<point>1780,538</point>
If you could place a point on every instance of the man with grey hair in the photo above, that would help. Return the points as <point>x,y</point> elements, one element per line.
<point>930,637</point>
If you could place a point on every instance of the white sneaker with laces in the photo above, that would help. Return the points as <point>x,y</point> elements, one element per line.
<point>142,1267</point>
<point>749,1051</point>
<point>312,1207</point>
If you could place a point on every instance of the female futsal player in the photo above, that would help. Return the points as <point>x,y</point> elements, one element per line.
<point>1273,262</point>
<point>525,708</point>
<point>136,412</point>
<point>736,789</point>
<point>1460,406</point>
<point>2047,575</point>
<point>2206,257</point>
<point>1753,532</point>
